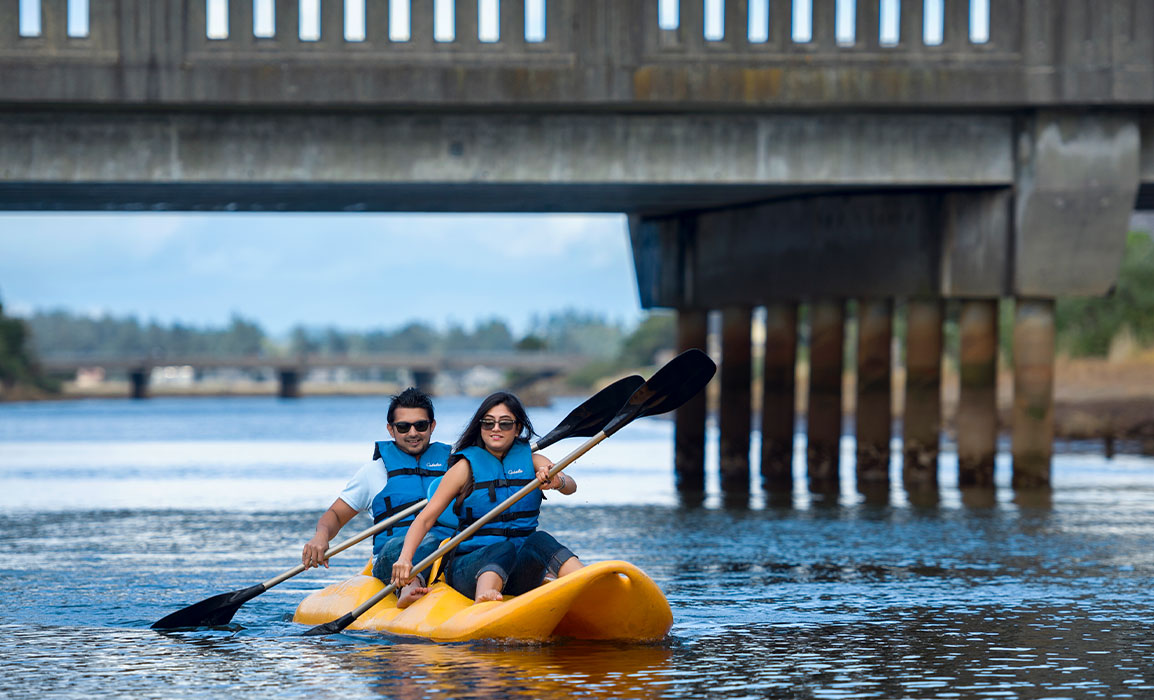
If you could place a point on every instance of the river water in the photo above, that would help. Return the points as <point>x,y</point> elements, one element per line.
<point>115,513</point>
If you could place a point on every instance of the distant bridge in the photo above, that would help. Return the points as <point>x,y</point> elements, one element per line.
<point>291,369</point>
<point>911,160</point>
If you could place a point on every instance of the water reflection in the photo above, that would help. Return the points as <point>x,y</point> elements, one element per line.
<point>413,670</point>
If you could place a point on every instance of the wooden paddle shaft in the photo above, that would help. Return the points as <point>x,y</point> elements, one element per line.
<point>384,524</point>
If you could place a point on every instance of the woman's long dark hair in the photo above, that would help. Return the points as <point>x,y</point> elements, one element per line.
<point>471,435</point>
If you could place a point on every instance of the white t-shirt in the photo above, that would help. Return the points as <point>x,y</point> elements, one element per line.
<point>365,484</point>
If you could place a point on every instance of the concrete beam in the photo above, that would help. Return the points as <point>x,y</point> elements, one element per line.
<point>1076,186</point>
<point>901,244</point>
<point>481,162</point>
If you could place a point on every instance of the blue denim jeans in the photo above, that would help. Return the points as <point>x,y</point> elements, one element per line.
<point>522,566</point>
<point>383,563</point>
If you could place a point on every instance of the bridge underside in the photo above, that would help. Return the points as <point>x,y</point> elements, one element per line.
<point>727,212</point>
<point>365,197</point>
<point>496,162</point>
<point>638,164</point>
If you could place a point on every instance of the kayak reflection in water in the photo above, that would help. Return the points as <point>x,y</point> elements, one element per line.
<point>399,476</point>
<point>491,461</point>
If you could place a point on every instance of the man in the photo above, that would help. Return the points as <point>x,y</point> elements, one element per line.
<point>398,476</point>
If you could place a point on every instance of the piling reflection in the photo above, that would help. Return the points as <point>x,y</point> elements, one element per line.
<point>1040,499</point>
<point>923,495</point>
<point>979,497</point>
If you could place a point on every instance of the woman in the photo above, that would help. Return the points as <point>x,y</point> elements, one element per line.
<point>491,461</point>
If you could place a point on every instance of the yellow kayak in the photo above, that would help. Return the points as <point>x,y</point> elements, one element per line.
<point>608,600</point>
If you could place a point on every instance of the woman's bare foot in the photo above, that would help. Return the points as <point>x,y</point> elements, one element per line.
<point>489,585</point>
<point>491,594</point>
<point>410,594</point>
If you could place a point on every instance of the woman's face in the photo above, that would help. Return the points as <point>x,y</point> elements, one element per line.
<point>498,429</point>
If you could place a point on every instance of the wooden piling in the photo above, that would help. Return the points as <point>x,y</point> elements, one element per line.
<point>874,413</point>
<point>922,422</point>
<point>826,348</point>
<point>977,419</point>
<point>778,397</point>
<point>689,422</point>
<point>1033,416</point>
<point>734,410</point>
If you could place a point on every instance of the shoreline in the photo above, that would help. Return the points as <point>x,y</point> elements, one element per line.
<point>1093,398</point>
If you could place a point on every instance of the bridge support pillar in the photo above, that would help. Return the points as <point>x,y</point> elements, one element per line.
<point>874,412</point>
<point>826,351</point>
<point>734,411</point>
<point>689,421</point>
<point>290,383</point>
<point>423,379</point>
<point>778,397</point>
<point>138,382</point>
<point>1033,427</point>
<point>922,423</point>
<point>977,417</point>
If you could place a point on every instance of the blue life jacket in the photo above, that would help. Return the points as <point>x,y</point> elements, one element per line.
<point>447,516</point>
<point>409,479</point>
<point>495,480</point>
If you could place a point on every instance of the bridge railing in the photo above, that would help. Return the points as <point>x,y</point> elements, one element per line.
<point>579,52</point>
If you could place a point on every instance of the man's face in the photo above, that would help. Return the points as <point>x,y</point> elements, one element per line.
<point>413,441</point>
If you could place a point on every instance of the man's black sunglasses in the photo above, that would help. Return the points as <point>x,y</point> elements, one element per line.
<point>402,426</point>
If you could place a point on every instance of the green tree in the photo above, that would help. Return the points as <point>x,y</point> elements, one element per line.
<point>656,333</point>
<point>17,364</point>
<point>1088,326</point>
<point>571,331</point>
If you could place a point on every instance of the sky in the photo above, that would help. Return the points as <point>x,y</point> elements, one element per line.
<point>351,271</point>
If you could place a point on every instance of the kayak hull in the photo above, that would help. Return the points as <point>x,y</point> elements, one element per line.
<point>611,600</point>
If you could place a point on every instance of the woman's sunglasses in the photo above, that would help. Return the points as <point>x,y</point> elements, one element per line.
<point>489,424</point>
<point>403,426</point>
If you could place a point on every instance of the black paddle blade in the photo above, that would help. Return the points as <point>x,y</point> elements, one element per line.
<point>590,417</point>
<point>333,627</point>
<point>210,612</point>
<point>674,384</point>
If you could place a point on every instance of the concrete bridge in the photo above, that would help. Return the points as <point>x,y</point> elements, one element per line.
<point>290,370</point>
<point>777,159</point>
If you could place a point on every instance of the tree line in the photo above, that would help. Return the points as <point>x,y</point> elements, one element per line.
<point>1085,327</point>
<point>61,334</point>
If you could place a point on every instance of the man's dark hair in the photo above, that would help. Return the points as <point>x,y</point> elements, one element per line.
<point>410,398</point>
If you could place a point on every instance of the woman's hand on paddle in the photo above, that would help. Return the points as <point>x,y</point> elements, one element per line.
<point>402,572</point>
<point>542,465</point>
<point>313,553</point>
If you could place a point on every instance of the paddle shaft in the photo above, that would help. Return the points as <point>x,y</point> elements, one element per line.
<point>481,522</point>
<point>383,525</point>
